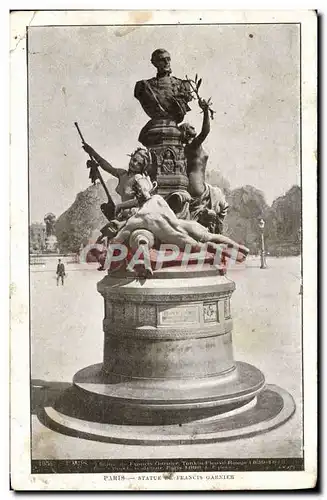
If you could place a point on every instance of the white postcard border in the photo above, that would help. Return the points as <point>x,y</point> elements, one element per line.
<point>22,479</point>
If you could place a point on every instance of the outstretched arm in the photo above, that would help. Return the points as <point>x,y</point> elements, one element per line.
<point>205,125</point>
<point>127,204</point>
<point>116,172</point>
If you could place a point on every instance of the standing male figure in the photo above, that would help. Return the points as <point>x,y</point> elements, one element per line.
<point>60,272</point>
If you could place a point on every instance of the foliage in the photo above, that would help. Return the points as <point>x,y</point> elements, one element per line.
<point>37,238</point>
<point>284,219</point>
<point>195,85</point>
<point>247,206</point>
<point>75,226</point>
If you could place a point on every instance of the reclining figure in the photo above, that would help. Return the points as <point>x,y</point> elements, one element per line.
<point>155,215</point>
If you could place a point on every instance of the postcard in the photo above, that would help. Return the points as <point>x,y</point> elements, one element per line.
<point>163,241</point>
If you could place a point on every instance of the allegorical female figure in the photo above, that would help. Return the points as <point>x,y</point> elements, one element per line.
<point>139,163</point>
<point>208,205</point>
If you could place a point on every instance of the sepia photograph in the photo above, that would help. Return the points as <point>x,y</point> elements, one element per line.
<point>167,210</point>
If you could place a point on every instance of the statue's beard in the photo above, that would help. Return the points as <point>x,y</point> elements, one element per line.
<point>164,72</point>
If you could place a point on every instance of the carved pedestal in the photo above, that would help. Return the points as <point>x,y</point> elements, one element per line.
<point>162,138</point>
<point>168,373</point>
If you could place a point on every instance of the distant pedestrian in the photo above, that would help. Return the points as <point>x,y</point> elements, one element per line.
<point>60,272</point>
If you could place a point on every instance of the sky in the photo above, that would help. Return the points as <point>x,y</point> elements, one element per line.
<point>87,74</point>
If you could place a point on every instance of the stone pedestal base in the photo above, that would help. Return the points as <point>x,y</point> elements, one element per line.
<point>51,244</point>
<point>161,401</point>
<point>168,373</point>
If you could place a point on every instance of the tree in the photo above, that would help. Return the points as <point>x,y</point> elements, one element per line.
<point>284,222</point>
<point>247,205</point>
<point>83,217</point>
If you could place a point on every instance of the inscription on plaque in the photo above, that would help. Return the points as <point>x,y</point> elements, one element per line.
<point>179,314</point>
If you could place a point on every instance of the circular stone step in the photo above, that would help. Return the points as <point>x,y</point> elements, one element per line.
<point>269,409</point>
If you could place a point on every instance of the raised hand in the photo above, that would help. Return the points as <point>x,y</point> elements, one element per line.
<point>204,105</point>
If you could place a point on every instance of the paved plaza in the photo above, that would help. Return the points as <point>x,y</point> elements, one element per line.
<point>66,335</point>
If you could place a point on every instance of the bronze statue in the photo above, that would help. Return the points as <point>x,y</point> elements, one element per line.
<point>50,222</point>
<point>139,163</point>
<point>165,100</point>
<point>196,157</point>
<point>174,157</point>
<point>155,215</point>
<point>163,96</point>
<point>208,205</point>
